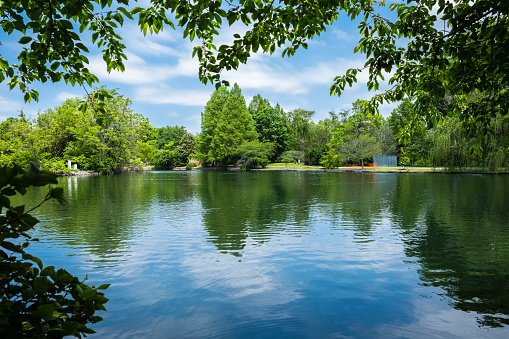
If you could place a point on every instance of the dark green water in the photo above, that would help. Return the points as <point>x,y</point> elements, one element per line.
<point>288,255</point>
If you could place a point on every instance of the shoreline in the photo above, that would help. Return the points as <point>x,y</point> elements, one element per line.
<point>418,170</point>
<point>378,170</point>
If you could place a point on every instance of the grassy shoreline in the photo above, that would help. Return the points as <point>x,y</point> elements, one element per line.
<point>397,169</point>
<point>358,169</point>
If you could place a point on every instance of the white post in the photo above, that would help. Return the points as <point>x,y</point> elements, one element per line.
<point>69,164</point>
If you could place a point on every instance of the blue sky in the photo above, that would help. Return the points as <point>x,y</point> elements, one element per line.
<point>161,77</point>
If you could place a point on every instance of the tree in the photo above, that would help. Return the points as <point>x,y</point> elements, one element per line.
<point>169,134</point>
<point>166,158</point>
<point>186,147</point>
<point>66,133</point>
<point>360,148</point>
<point>319,137</point>
<point>226,124</point>
<point>332,158</point>
<point>299,125</point>
<point>356,135</point>
<point>17,142</point>
<point>412,133</point>
<point>387,140</point>
<point>270,123</point>
<point>111,144</point>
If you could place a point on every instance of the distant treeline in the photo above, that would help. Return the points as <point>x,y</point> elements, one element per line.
<point>250,135</point>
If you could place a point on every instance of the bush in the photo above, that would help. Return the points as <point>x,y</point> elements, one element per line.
<point>332,159</point>
<point>255,154</point>
<point>37,301</point>
<point>195,162</point>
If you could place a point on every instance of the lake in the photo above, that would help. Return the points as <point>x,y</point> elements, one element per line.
<point>207,254</point>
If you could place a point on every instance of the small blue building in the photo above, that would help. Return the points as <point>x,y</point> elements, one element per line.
<point>386,160</point>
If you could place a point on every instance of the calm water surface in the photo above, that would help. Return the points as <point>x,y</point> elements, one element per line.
<point>287,255</point>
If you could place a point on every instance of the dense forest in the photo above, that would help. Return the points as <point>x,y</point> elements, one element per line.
<point>252,136</point>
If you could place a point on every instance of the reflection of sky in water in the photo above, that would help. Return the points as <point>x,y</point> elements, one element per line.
<point>325,270</point>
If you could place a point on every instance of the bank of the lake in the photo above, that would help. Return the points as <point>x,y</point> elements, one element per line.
<point>211,254</point>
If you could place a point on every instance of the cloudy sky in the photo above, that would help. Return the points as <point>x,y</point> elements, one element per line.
<point>161,77</point>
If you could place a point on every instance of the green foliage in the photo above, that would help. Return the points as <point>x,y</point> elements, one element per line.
<point>186,147</point>
<point>452,48</point>
<point>453,147</point>
<point>255,154</point>
<point>320,136</point>
<point>299,125</point>
<point>291,156</point>
<point>168,134</point>
<point>17,142</point>
<point>109,143</point>
<point>226,124</point>
<point>449,47</point>
<point>166,158</point>
<point>270,124</point>
<point>387,140</point>
<point>332,159</point>
<point>412,133</point>
<point>356,136</point>
<point>37,301</point>
<point>147,151</point>
<point>360,148</point>
<point>51,47</point>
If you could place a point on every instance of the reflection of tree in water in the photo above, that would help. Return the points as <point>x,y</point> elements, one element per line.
<point>456,225</point>
<point>105,211</point>
<point>354,201</point>
<point>257,206</point>
<point>462,243</point>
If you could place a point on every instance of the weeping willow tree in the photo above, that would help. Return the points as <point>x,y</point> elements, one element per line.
<point>497,145</point>
<point>454,148</point>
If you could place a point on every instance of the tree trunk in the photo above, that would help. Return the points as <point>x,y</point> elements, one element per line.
<point>362,163</point>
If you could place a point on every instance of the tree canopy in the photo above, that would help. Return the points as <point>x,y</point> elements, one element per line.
<point>226,124</point>
<point>428,49</point>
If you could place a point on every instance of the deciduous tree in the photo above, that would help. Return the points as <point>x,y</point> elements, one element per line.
<point>270,123</point>
<point>226,124</point>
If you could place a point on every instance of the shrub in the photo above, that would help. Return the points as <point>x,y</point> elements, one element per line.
<point>37,301</point>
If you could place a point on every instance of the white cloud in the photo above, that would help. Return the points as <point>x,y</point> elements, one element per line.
<point>173,114</point>
<point>62,96</point>
<point>140,71</point>
<point>281,77</point>
<point>342,36</point>
<point>164,94</point>
<point>9,105</point>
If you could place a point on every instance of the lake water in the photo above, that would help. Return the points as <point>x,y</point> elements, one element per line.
<point>287,254</point>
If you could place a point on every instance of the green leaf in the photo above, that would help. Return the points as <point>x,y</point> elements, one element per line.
<point>45,178</point>
<point>11,247</point>
<point>48,271</point>
<point>28,293</point>
<point>45,312</point>
<point>4,201</point>
<point>25,40</point>
<point>41,285</point>
<point>70,328</point>
<point>57,193</point>
<point>88,293</point>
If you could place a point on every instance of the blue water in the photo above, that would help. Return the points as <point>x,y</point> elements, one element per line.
<point>287,255</point>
